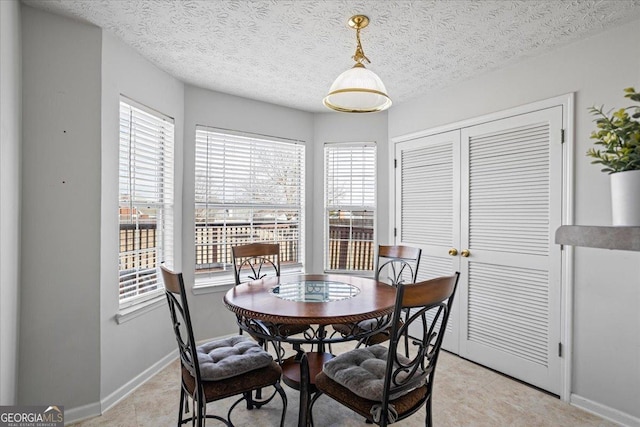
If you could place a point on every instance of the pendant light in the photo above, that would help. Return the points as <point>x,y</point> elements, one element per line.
<point>358,90</point>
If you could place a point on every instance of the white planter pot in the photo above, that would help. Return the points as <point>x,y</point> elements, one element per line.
<point>625,198</point>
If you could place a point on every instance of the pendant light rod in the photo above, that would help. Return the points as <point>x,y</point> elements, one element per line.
<point>359,22</point>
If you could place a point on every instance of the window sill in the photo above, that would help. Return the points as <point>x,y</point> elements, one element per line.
<point>210,287</point>
<point>360,273</point>
<point>212,284</point>
<point>126,314</point>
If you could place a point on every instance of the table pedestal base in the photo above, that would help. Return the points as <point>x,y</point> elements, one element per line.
<point>301,375</point>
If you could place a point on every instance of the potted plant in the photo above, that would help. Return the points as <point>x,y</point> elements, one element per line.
<point>618,135</point>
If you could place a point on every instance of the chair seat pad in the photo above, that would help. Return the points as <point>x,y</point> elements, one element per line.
<point>229,357</point>
<point>362,371</point>
<point>404,405</point>
<point>360,327</point>
<point>347,329</point>
<point>215,390</point>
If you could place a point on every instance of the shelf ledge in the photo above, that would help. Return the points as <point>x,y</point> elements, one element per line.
<point>621,238</point>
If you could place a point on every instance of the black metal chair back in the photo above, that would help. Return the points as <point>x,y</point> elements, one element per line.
<point>203,391</point>
<point>255,261</point>
<point>408,381</point>
<point>397,264</point>
<point>181,322</point>
<point>429,303</point>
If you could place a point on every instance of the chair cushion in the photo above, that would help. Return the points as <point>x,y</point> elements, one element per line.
<point>347,329</point>
<point>228,357</point>
<point>214,390</point>
<point>362,371</point>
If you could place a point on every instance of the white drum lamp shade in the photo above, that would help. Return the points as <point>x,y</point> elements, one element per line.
<point>357,90</point>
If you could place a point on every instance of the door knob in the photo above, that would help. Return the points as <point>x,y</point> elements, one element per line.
<point>453,252</point>
<point>465,253</point>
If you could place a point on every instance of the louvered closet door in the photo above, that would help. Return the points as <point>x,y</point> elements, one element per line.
<point>428,207</point>
<point>510,301</point>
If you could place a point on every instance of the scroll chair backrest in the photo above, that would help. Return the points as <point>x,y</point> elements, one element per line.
<point>430,303</point>
<point>255,261</point>
<point>397,264</point>
<point>181,322</point>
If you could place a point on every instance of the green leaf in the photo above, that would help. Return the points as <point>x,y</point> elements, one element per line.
<point>618,133</point>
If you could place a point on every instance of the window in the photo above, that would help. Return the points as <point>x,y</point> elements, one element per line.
<point>146,200</point>
<point>248,188</point>
<point>350,199</point>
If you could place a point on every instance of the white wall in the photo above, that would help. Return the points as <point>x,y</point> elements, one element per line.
<point>208,108</point>
<point>10,157</point>
<point>606,362</point>
<point>335,127</point>
<point>130,348</point>
<point>60,254</point>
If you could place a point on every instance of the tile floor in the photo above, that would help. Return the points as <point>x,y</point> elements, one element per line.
<point>465,394</point>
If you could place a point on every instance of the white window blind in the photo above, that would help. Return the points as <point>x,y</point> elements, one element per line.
<point>145,200</point>
<point>248,188</point>
<point>350,200</point>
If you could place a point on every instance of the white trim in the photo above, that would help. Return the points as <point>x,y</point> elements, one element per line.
<point>146,109</point>
<point>567,101</point>
<point>509,112</point>
<point>604,411</point>
<point>95,409</point>
<point>81,413</point>
<point>133,311</point>
<point>98,408</point>
<point>210,288</point>
<point>566,308</point>
<point>130,386</point>
<point>222,282</point>
<point>212,280</point>
<point>244,134</point>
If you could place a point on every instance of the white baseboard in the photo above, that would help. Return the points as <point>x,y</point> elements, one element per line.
<point>604,411</point>
<point>94,409</point>
<point>80,413</point>
<point>73,415</point>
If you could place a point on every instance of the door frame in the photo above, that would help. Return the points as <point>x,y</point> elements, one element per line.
<point>567,102</point>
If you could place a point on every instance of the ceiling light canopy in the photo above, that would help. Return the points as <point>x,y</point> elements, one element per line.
<point>358,90</point>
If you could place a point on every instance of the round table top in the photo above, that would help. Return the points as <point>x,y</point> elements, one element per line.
<point>256,300</point>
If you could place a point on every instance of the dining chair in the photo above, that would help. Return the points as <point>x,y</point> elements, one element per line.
<point>255,261</point>
<point>397,264</point>
<point>217,369</point>
<point>394,265</point>
<point>378,382</point>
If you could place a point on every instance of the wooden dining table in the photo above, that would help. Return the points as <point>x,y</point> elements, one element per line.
<point>266,308</point>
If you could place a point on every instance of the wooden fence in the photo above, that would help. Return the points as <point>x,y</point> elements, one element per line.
<point>217,256</point>
<point>350,248</point>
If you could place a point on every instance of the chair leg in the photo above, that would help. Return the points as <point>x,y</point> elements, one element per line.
<point>202,412</point>
<point>265,345</point>
<point>305,391</point>
<point>283,395</point>
<point>429,419</point>
<point>311,403</point>
<point>249,398</point>
<point>182,406</point>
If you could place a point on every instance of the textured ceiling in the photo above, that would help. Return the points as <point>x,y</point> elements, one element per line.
<point>289,52</point>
